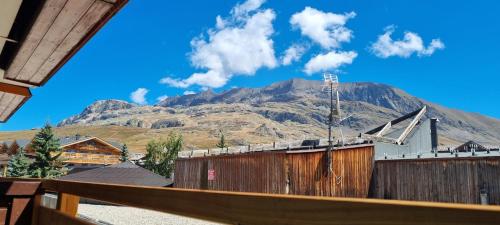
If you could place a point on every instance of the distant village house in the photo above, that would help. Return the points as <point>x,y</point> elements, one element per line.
<point>78,151</point>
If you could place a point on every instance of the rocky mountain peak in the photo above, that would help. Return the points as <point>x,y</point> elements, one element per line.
<point>107,105</point>
<point>283,104</point>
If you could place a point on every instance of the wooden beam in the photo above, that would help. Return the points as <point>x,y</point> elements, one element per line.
<point>19,211</point>
<point>37,203</point>
<point>116,7</point>
<point>385,129</point>
<point>3,216</point>
<point>41,25</point>
<point>67,203</point>
<point>410,127</point>
<point>60,30</point>
<point>91,17</point>
<point>15,89</point>
<point>394,122</point>
<point>254,208</point>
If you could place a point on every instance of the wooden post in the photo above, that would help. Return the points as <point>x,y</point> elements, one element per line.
<point>37,202</point>
<point>67,203</point>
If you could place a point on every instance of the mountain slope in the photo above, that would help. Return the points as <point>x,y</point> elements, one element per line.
<point>292,109</point>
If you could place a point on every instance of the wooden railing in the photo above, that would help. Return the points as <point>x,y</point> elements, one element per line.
<point>237,208</point>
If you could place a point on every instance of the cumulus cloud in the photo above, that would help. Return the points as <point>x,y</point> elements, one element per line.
<point>411,43</point>
<point>329,61</point>
<point>161,98</point>
<point>139,96</point>
<point>293,54</point>
<point>324,28</point>
<point>189,93</point>
<point>238,45</point>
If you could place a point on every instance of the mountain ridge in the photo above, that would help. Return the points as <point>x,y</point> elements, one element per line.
<point>283,107</point>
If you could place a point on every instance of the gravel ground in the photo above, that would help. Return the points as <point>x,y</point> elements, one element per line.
<point>119,215</point>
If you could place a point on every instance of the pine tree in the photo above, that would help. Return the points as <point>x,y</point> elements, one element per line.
<point>222,142</point>
<point>124,154</point>
<point>18,165</point>
<point>47,159</point>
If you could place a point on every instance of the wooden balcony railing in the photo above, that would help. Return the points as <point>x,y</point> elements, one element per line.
<point>21,205</point>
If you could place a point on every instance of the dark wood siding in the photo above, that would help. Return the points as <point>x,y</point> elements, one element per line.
<point>262,172</point>
<point>352,170</point>
<point>441,180</point>
<point>281,172</point>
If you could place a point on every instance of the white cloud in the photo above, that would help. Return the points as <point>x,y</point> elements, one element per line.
<point>161,98</point>
<point>327,29</point>
<point>139,96</point>
<point>411,43</point>
<point>189,93</point>
<point>433,46</point>
<point>329,61</point>
<point>293,54</point>
<point>238,45</point>
<point>246,7</point>
<point>174,82</point>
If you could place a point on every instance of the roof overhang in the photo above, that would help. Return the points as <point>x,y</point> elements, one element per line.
<point>38,37</point>
<point>11,98</point>
<point>95,139</point>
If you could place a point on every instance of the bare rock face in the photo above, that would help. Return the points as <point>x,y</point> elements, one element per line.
<point>264,130</point>
<point>167,123</point>
<point>136,123</point>
<point>295,103</point>
<point>99,110</point>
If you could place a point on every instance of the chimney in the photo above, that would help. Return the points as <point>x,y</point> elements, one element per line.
<point>434,135</point>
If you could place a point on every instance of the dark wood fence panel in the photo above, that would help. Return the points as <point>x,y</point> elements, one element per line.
<point>281,172</point>
<point>352,171</point>
<point>263,172</point>
<point>458,180</point>
<point>188,173</point>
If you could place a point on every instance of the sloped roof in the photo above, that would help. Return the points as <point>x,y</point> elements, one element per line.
<point>67,140</point>
<point>467,146</point>
<point>124,173</point>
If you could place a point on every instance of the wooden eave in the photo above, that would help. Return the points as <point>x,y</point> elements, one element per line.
<point>44,36</point>
<point>12,97</point>
<point>92,138</point>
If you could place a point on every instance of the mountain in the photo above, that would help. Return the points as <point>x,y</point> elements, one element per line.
<point>284,111</point>
<point>288,110</point>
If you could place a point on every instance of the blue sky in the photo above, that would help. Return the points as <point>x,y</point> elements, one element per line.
<point>151,40</point>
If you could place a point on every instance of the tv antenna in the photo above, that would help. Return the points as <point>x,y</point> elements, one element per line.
<point>332,86</point>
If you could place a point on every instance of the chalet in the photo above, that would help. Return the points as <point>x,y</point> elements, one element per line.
<point>77,150</point>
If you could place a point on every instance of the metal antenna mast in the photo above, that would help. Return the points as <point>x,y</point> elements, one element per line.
<point>331,83</point>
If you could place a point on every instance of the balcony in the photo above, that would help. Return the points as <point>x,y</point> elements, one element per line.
<point>21,204</point>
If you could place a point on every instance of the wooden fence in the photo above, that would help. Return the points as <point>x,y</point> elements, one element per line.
<point>281,172</point>
<point>459,180</point>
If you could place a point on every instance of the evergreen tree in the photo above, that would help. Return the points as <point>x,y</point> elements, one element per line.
<point>124,154</point>
<point>18,165</point>
<point>161,154</point>
<point>47,159</point>
<point>222,142</point>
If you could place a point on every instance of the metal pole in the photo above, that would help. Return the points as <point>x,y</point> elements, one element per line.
<point>330,140</point>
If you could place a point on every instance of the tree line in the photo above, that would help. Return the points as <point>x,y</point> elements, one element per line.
<point>47,162</point>
<point>160,156</point>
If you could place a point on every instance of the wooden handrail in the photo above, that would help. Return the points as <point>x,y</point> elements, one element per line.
<point>255,208</point>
